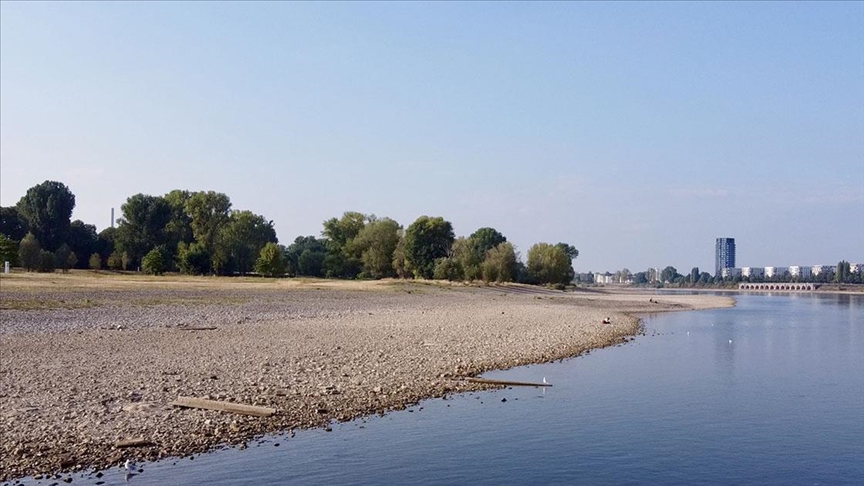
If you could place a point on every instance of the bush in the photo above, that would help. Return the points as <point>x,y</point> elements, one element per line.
<point>271,262</point>
<point>95,262</point>
<point>154,262</point>
<point>29,253</point>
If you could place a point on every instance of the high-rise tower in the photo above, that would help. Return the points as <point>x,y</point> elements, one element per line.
<point>724,254</point>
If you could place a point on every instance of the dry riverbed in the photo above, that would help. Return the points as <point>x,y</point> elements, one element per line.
<point>86,361</point>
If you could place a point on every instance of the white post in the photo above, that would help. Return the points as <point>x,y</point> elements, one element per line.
<point>6,268</point>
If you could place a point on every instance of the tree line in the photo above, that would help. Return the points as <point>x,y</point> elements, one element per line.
<point>199,233</point>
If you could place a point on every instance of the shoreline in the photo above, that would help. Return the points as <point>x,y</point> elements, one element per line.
<point>76,379</point>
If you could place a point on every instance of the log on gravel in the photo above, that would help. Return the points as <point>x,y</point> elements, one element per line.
<point>190,402</point>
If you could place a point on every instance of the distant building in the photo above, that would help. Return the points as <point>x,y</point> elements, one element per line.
<point>753,272</point>
<point>724,254</point>
<point>771,272</point>
<point>820,269</point>
<point>856,267</point>
<point>800,272</point>
<point>730,272</point>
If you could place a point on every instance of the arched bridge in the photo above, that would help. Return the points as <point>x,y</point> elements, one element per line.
<point>785,287</point>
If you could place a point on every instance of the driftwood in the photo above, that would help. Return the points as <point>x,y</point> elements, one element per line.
<point>197,328</point>
<point>121,444</point>
<point>505,383</point>
<point>189,402</point>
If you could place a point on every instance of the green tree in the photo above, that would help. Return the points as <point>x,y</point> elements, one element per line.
<point>47,261</point>
<point>95,262</point>
<point>305,257</point>
<point>500,263</point>
<point>209,212</point>
<point>694,275</point>
<point>47,208</point>
<point>669,274</point>
<point>116,260</point>
<point>484,239</point>
<point>82,239</point>
<point>467,258</point>
<point>427,240</point>
<point>105,242</point>
<point>375,244</point>
<point>179,227</point>
<point>193,259</point>
<point>12,224</point>
<point>61,257</point>
<point>155,261</point>
<point>29,252</point>
<point>271,262</point>
<point>447,269</point>
<point>142,226</point>
<point>549,264</point>
<point>342,259</point>
<point>8,251</point>
<point>243,238</point>
<point>844,272</point>
<point>400,265</point>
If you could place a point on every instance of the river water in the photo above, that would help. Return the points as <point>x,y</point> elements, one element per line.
<point>768,392</point>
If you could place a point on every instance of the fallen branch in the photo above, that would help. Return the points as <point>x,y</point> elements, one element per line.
<point>486,381</point>
<point>197,328</point>
<point>189,402</point>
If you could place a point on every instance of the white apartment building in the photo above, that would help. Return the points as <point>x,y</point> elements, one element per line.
<point>753,271</point>
<point>818,269</point>
<point>771,272</point>
<point>800,272</point>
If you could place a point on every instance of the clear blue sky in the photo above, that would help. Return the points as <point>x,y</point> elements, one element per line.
<point>638,132</point>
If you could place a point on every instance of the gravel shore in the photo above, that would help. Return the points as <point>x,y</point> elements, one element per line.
<point>84,364</point>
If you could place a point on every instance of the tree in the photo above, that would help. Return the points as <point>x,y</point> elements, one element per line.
<point>47,208</point>
<point>467,259</point>
<point>427,240</point>
<point>306,257</point>
<point>193,259</point>
<point>447,269</point>
<point>500,263</point>
<point>82,239</point>
<point>343,260</point>
<point>375,244</point>
<point>105,242</point>
<point>179,227</point>
<point>8,250</point>
<point>142,226</point>
<point>12,224</point>
<point>669,274</point>
<point>115,260</point>
<point>640,278</point>
<point>694,275</point>
<point>155,262</point>
<point>29,252</point>
<point>47,261</point>
<point>209,212</point>
<point>61,257</point>
<point>844,272</point>
<point>243,238</point>
<point>271,262</point>
<point>549,264</point>
<point>95,262</point>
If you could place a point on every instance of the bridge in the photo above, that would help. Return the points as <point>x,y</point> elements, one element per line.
<point>784,287</point>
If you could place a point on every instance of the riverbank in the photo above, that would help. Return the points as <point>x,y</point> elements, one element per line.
<point>88,360</point>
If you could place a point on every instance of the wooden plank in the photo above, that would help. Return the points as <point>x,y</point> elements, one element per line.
<point>189,402</point>
<point>138,442</point>
<point>505,383</point>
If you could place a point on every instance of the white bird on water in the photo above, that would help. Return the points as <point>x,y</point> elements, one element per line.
<point>730,341</point>
<point>129,465</point>
<point>544,381</point>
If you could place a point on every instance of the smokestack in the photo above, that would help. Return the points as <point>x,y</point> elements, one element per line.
<point>112,217</point>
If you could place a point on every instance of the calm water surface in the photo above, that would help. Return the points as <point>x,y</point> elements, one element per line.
<point>782,403</point>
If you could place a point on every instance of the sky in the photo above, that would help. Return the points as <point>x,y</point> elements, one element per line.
<point>637,132</point>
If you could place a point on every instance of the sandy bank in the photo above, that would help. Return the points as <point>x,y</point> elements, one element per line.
<point>85,364</point>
